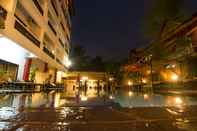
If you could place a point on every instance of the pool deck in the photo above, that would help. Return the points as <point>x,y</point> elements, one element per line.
<point>102,119</point>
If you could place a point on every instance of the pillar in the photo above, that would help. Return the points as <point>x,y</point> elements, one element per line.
<point>27,67</point>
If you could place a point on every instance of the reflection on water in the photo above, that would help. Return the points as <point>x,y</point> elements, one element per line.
<point>34,100</point>
<point>132,99</point>
<point>36,108</point>
<point>54,100</point>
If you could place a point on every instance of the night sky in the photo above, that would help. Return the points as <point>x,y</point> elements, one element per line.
<point>110,28</point>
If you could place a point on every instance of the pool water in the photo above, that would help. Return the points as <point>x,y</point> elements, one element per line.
<point>132,99</point>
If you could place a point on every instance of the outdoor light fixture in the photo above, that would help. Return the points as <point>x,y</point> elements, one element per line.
<point>68,63</point>
<point>130,93</point>
<point>130,83</point>
<point>111,79</point>
<point>173,66</point>
<point>144,81</point>
<point>174,77</point>
<point>84,78</point>
<point>111,97</point>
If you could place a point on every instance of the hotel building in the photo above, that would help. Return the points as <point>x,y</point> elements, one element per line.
<point>35,38</point>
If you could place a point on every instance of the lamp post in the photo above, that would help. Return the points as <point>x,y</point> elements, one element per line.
<point>150,60</point>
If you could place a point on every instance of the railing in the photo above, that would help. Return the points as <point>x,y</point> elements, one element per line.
<point>19,19</point>
<point>66,17</point>
<point>67,50</point>
<point>38,6</point>
<point>61,43</point>
<point>58,61</point>
<point>50,25</point>
<point>53,4</point>
<point>62,26</point>
<point>49,53</point>
<point>3,15</point>
<point>26,33</point>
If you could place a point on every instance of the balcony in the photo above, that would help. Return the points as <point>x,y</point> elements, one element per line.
<point>61,43</point>
<point>48,52</point>
<point>36,3</point>
<point>67,50</point>
<point>21,21</point>
<point>54,7</point>
<point>58,61</point>
<point>62,26</point>
<point>3,15</point>
<point>24,18</point>
<point>26,33</point>
<point>52,28</point>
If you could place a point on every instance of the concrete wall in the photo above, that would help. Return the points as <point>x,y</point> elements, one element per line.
<point>11,52</point>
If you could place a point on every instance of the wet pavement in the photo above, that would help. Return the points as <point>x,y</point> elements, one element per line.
<point>48,112</point>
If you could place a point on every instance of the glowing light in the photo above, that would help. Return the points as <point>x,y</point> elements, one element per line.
<point>68,63</point>
<point>174,77</point>
<point>53,51</point>
<point>178,101</point>
<point>144,81</point>
<point>130,93</point>
<point>130,83</point>
<point>59,76</point>
<point>146,96</point>
<point>173,66</point>
<point>148,72</point>
<point>31,55</point>
<point>84,98</point>
<point>84,78</point>
<point>111,97</point>
<point>111,79</point>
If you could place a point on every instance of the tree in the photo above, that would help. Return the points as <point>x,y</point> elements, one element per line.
<point>163,16</point>
<point>97,63</point>
<point>79,57</point>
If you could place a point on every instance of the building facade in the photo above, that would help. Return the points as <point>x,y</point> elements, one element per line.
<point>85,81</point>
<point>35,35</point>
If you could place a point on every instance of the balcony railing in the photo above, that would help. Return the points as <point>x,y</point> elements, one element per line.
<point>67,50</point>
<point>62,44</point>
<point>38,6</point>
<point>48,52</point>
<point>19,19</point>
<point>62,26</point>
<point>53,4</point>
<point>3,15</point>
<point>50,25</point>
<point>26,33</point>
<point>58,61</point>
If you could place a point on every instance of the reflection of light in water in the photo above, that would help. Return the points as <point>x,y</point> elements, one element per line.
<point>130,93</point>
<point>84,98</point>
<point>183,123</point>
<point>63,124</point>
<point>111,97</point>
<point>38,99</point>
<point>178,101</point>
<point>146,96</point>
<point>57,100</point>
<point>7,113</point>
<point>172,111</point>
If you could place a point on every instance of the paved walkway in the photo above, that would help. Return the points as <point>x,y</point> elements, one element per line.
<point>99,119</point>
